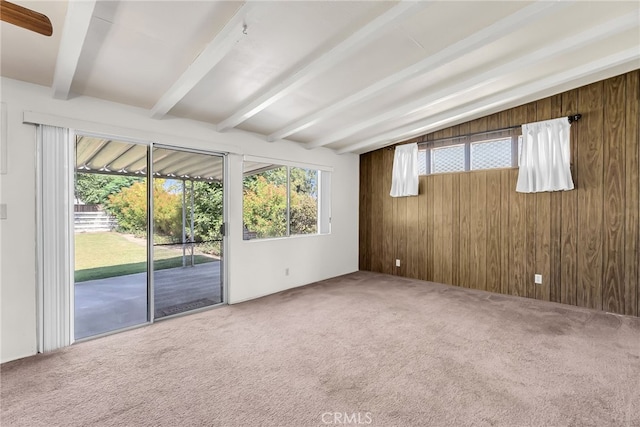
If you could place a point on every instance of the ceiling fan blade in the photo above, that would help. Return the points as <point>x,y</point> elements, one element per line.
<point>25,18</point>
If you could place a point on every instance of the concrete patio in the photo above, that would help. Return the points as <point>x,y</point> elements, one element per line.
<point>118,302</point>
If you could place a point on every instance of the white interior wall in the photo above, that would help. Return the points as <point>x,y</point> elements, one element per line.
<point>255,268</point>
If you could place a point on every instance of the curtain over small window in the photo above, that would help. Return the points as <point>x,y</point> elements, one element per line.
<point>545,157</point>
<point>404,178</point>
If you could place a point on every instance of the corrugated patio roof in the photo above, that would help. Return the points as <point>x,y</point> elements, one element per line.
<point>107,156</point>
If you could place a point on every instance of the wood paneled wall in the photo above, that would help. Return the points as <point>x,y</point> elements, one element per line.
<point>472,229</point>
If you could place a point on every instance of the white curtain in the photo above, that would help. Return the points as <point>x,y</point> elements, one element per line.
<point>545,157</point>
<point>55,149</point>
<point>404,178</point>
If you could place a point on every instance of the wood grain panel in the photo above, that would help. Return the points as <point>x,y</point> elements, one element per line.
<point>400,234</point>
<point>479,230</point>
<point>505,253</point>
<point>555,223</point>
<point>569,225</point>
<point>377,210</point>
<point>364,230</point>
<point>632,195</point>
<point>590,198</point>
<point>530,214</point>
<point>542,241</point>
<point>493,222</point>
<point>518,239</point>
<point>614,203</point>
<point>518,222</point>
<point>387,261</point>
<point>423,201</point>
<point>465,230</point>
<point>455,229</point>
<point>430,230</point>
<point>413,259</point>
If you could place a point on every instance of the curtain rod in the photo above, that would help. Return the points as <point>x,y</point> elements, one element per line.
<point>572,118</point>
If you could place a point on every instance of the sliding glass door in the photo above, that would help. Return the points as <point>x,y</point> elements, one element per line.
<point>110,224</point>
<point>123,219</point>
<point>187,239</point>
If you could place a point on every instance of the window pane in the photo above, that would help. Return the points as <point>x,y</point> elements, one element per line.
<point>422,162</point>
<point>264,202</point>
<point>491,154</point>
<point>447,159</point>
<point>304,201</point>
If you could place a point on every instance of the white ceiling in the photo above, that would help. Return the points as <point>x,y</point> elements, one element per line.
<point>352,76</point>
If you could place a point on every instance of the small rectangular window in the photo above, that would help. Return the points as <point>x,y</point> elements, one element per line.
<point>447,159</point>
<point>491,154</point>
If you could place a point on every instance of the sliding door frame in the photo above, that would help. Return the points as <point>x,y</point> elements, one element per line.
<point>225,207</point>
<point>151,145</point>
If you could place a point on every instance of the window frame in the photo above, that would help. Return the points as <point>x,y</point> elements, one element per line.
<point>426,149</point>
<point>323,199</point>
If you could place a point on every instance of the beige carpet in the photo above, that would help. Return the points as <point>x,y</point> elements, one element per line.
<point>368,348</point>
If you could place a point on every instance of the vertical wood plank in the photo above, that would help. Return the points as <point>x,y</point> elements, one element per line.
<point>377,211</point>
<point>504,120</point>
<point>465,230</point>
<point>423,200</point>
<point>493,223</point>
<point>364,214</point>
<point>455,221</point>
<point>479,229</point>
<point>632,196</point>
<point>455,230</point>
<point>387,230</point>
<point>413,259</point>
<point>555,223</point>
<point>518,223</point>
<point>569,225</point>
<point>590,198</point>
<point>614,191</point>
<point>439,233</point>
<point>542,241</point>
<point>400,234</point>
<point>530,215</point>
<point>430,227</point>
<point>505,253</point>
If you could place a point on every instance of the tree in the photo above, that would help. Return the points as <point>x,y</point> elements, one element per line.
<point>207,210</point>
<point>265,207</point>
<point>95,189</point>
<point>265,202</point>
<point>129,206</point>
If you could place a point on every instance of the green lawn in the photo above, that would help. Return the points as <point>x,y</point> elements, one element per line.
<point>101,255</point>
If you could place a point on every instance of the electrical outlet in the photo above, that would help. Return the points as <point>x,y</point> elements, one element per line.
<point>286,271</point>
<point>397,263</point>
<point>538,279</point>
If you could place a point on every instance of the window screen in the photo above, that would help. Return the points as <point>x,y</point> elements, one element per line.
<point>491,154</point>
<point>447,159</point>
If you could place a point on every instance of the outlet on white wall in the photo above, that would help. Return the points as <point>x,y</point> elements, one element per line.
<point>538,279</point>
